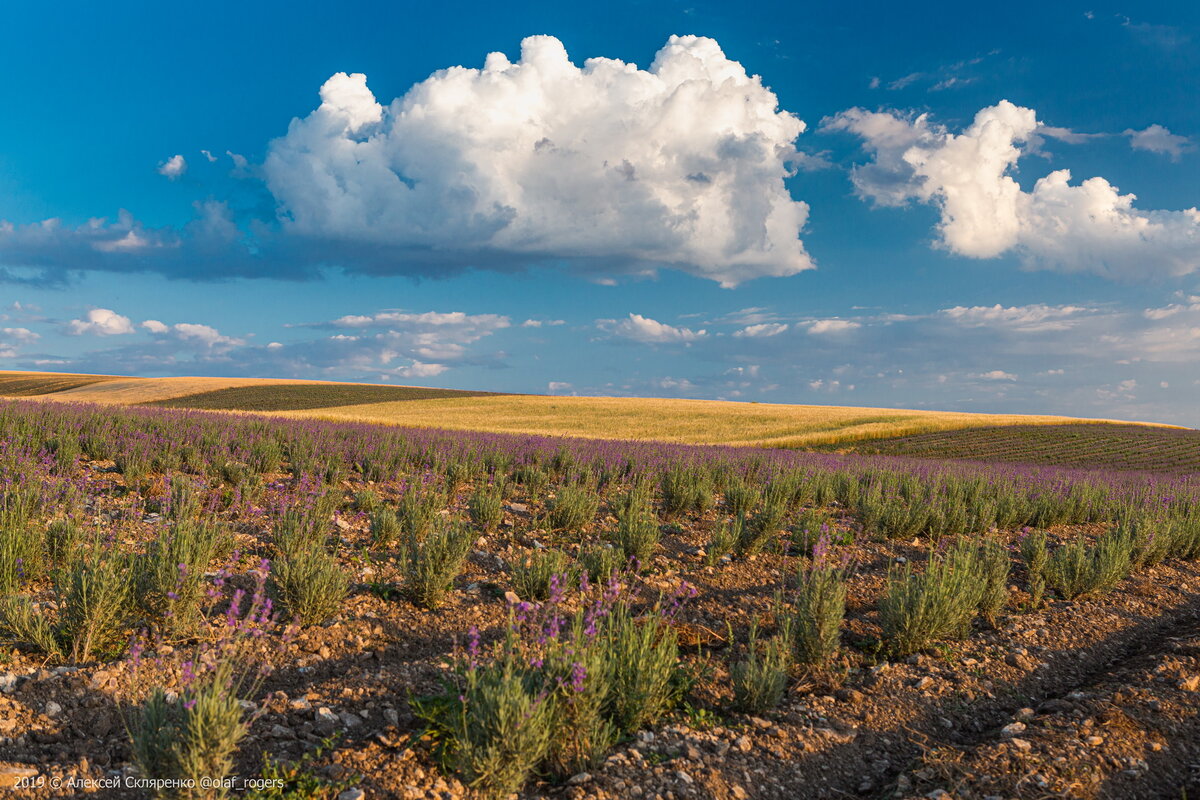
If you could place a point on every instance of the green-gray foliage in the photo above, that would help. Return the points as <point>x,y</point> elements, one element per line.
<point>431,565</point>
<point>531,576</point>
<point>813,622</point>
<point>760,678</point>
<point>572,508</point>
<point>310,584</point>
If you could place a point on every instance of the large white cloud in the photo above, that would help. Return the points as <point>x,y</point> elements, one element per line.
<point>1085,227</point>
<point>606,166</point>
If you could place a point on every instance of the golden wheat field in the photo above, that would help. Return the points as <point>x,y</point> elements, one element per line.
<point>668,420</point>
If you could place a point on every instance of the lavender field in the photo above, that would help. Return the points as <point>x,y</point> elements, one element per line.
<point>337,610</point>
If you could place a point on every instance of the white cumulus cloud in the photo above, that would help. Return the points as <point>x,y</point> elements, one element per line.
<point>649,331</point>
<point>154,326</point>
<point>607,166</point>
<point>822,326</point>
<point>100,322</point>
<point>418,369</point>
<point>203,334</point>
<point>173,167</point>
<point>1085,227</point>
<point>20,334</point>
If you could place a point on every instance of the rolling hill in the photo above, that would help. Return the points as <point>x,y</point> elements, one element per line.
<point>671,420</point>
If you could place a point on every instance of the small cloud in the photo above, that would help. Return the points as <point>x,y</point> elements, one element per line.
<point>20,334</point>
<point>1160,140</point>
<point>995,375</point>
<point>649,331</point>
<point>173,167</point>
<point>675,385</point>
<point>204,334</point>
<point>130,242</point>
<point>762,330</point>
<point>825,326</point>
<point>952,82</point>
<point>1122,391</point>
<point>211,158</point>
<point>100,322</point>
<point>556,387</point>
<point>192,333</point>
<point>538,323</point>
<point>421,370</point>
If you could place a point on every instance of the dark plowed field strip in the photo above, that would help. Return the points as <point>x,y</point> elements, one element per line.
<point>1115,720</point>
<point>1126,447</point>
<point>32,384</point>
<point>301,396</point>
<point>940,722</point>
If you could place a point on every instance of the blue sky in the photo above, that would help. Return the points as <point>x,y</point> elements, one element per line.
<point>881,217</point>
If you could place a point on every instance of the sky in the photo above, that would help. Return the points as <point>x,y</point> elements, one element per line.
<point>976,209</point>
